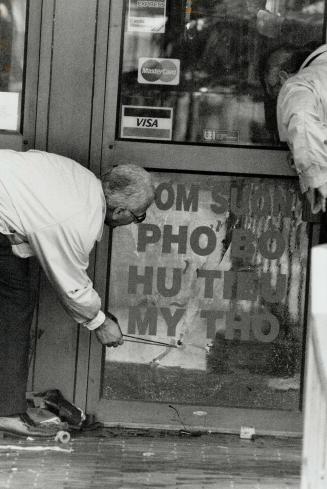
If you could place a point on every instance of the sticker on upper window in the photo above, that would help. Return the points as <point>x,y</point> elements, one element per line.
<point>140,122</point>
<point>158,71</point>
<point>221,136</point>
<point>147,16</point>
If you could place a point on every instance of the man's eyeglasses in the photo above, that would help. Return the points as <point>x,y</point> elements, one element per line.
<point>137,218</point>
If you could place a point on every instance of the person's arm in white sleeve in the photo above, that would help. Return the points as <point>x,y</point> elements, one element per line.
<point>64,262</point>
<point>63,252</point>
<point>306,134</point>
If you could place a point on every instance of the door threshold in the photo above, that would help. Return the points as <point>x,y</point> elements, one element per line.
<point>214,430</point>
<point>204,419</point>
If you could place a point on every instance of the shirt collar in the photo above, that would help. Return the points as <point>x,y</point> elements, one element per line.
<point>318,51</point>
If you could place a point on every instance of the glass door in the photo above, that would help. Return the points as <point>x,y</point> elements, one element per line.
<point>218,271</point>
<point>13,16</point>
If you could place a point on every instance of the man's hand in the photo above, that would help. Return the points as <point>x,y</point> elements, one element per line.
<point>109,333</point>
<point>322,191</point>
<point>317,198</point>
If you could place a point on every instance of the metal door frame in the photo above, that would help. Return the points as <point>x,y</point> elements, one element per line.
<point>184,157</point>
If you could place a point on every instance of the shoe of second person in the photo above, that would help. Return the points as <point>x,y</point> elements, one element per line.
<point>23,425</point>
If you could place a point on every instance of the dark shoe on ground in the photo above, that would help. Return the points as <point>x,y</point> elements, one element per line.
<point>23,425</point>
<point>65,410</point>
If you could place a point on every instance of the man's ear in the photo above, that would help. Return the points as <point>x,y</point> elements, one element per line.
<point>283,76</point>
<point>118,212</point>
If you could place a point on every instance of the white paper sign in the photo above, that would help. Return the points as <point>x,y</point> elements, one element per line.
<point>9,106</point>
<point>147,16</point>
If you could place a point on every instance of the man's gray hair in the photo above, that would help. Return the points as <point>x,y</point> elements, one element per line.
<point>287,58</point>
<point>274,62</point>
<point>128,185</point>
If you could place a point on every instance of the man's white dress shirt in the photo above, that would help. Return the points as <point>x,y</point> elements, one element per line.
<point>53,208</point>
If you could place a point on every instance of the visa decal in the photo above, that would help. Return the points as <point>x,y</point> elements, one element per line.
<point>141,122</point>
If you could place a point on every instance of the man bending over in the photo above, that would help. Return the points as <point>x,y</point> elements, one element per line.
<point>53,208</point>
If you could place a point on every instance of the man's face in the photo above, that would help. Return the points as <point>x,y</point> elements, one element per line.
<point>274,80</point>
<point>125,216</point>
<point>273,83</point>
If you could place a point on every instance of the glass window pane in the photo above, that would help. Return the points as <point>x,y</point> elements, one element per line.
<point>203,60</point>
<point>12,39</point>
<point>217,272</point>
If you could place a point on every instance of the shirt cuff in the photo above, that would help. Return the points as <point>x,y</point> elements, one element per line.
<point>95,322</point>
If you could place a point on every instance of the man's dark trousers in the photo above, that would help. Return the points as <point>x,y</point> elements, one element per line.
<point>17,300</point>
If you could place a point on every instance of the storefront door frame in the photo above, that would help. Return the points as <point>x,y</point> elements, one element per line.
<point>183,157</point>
